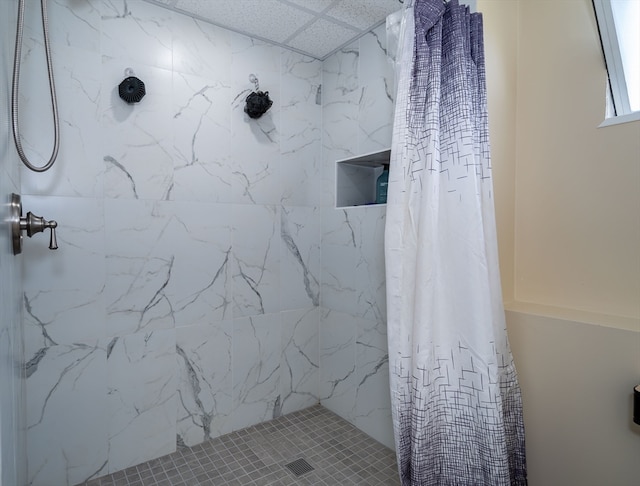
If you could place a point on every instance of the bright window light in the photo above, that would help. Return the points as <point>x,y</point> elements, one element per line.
<point>619,25</point>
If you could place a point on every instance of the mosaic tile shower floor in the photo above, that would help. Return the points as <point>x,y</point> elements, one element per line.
<point>339,453</point>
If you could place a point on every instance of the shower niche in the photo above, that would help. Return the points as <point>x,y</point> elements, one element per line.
<point>357,178</point>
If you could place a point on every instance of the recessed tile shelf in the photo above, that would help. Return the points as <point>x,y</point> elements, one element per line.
<point>356,178</point>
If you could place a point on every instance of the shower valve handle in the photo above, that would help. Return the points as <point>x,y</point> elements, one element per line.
<point>33,224</point>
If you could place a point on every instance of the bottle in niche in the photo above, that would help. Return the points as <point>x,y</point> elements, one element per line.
<point>381,186</point>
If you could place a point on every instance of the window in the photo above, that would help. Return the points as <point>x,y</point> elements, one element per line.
<point>619,26</point>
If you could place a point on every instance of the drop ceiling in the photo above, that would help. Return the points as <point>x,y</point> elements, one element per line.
<point>317,28</point>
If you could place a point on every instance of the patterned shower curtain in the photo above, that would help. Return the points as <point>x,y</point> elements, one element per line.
<point>455,396</point>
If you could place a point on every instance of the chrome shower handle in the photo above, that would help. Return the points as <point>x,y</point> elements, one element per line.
<point>30,223</point>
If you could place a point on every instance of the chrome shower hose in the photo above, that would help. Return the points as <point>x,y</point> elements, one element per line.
<point>15,89</point>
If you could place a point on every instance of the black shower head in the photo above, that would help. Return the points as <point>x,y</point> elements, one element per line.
<point>132,90</point>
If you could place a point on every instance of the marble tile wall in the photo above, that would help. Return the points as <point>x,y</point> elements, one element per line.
<point>12,404</point>
<point>183,301</point>
<point>204,281</point>
<point>357,119</point>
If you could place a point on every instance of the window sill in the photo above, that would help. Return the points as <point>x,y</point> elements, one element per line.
<point>617,120</point>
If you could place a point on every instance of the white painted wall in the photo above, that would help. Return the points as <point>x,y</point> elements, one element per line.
<point>577,383</point>
<point>568,206</point>
<point>577,186</point>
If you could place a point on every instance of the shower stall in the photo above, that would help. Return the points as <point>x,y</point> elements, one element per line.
<point>205,280</point>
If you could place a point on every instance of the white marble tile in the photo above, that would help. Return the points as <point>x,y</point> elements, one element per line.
<point>255,143</point>
<point>11,170</point>
<point>12,416</point>
<point>340,109</point>
<point>301,175</point>
<point>299,368</point>
<point>355,237</point>
<point>12,404</point>
<point>340,227</point>
<point>338,289</point>
<point>203,166</point>
<point>200,48</point>
<point>376,104</point>
<point>356,119</point>
<point>168,264</point>
<point>253,56</point>
<point>256,159</point>
<point>136,275</point>
<point>338,363</point>
<point>66,414</point>
<point>256,252</point>
<point>78,168</point>
<point>138,32</point>
<point>300,258</point>
<point>205,403</point>
<point>373,399</point>
<point>63,289</point>
<point>301,76</point>
<point>137,138</point>
<point>374,61</point>
<point>340,129</point>
<point>256,369</point>
<point>328,175</point>
<point>370,266</point>
<point>141,397</point>
<point>300,141</point>
<point>9,161</point>
<point>340,76</point>
<point>71,23</point>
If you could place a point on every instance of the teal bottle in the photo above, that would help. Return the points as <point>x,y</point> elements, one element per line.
<point>381,187</point>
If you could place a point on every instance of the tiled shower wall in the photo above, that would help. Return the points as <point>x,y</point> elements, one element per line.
<point>357,119</point>
<point>183,301</point>
<point>12,431</point>
<point>189,297</point>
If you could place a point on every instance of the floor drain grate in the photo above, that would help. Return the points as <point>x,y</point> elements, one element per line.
<point>299,467</point>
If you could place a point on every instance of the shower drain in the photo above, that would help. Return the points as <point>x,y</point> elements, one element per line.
<point>299,467</point>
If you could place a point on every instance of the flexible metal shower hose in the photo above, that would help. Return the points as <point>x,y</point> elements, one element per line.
<point>15,89</point>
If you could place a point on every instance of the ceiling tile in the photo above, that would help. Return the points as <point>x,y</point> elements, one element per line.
<point>269,19</point>
<point>315,5</point>
<point>277,21</point>
<point>363,14</point>
<point>321,38</point>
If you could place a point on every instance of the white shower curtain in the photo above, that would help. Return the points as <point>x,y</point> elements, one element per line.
<point>455,396</point>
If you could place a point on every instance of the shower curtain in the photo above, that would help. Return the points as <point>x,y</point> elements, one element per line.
<point>456,401</point>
